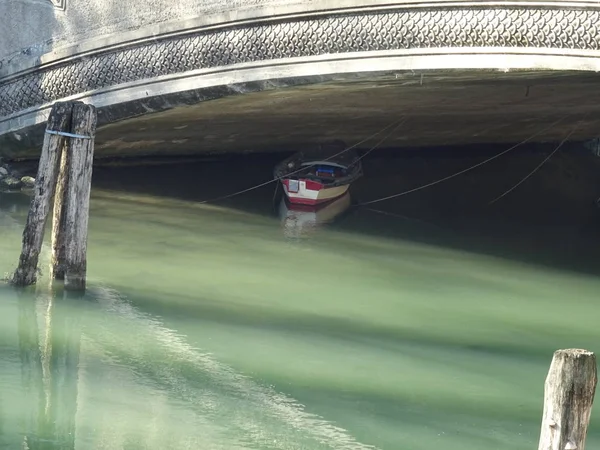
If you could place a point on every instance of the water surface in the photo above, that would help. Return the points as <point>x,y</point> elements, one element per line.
<point>214,326</point>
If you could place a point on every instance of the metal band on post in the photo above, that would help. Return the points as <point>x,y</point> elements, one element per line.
<point>71,135</point>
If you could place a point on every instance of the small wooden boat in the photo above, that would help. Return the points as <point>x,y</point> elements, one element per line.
<point>312,178</point>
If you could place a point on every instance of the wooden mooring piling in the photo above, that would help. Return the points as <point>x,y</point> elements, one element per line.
<point>568,397</point>
<point>64,175</point>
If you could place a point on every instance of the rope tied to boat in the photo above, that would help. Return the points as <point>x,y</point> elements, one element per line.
<point>397,123</point>
<point>468,169</point>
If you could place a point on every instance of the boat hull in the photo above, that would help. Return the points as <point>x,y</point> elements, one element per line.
<point>301,220</point>
<point>305,195</point>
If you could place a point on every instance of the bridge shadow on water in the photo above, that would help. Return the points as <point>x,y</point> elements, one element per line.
<point>551,219</point>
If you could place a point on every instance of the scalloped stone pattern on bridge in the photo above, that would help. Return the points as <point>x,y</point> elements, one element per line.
<point>513,29</point>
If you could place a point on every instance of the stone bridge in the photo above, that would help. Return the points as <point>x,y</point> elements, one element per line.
<point>190,76</point>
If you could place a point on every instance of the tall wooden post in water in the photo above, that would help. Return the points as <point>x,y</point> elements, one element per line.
<point>72,210</point>
<point>45,183</point>
<point>568,397</point>
<point>66,170</point>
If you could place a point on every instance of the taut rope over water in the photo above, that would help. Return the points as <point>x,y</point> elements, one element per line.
<point>468,169</point>
<point>536,169</point>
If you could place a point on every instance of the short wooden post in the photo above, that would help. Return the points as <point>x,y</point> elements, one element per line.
<point>45,184</point>
<point>568,398</point>
<point>80,160</point>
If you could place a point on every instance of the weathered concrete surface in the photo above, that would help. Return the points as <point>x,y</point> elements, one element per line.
<point>341,64</point>
<point>439,108</point>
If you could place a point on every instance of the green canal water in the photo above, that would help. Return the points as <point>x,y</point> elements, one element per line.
<point>214,326</point>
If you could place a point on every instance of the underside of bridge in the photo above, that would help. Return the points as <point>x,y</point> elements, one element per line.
<point>397,110</point>
<point>409,109</point>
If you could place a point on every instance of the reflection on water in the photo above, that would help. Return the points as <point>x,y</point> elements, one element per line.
<point>302,220</point>
<point>140,383</point>
<point>215,392</point>
<point>203,328</point>
<point>49,366</point>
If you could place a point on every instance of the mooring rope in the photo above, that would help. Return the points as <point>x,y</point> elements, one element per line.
<point>385,138</point>
<point>275,195</point>
<point>251,188</point>
<point>468,169</point>
<point>537,168</point>
<point>396,125</point>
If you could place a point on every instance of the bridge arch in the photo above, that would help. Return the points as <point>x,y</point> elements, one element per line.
<point>278,44</point>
